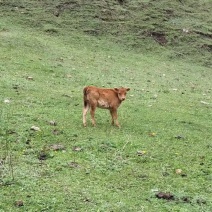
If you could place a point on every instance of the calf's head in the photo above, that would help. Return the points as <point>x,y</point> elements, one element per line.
<point>121,92</point>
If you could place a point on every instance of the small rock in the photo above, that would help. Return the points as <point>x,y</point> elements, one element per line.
<point>185,30</point>
<point>154,190</point>
<point>163,195</point>
<point>205,103</point>
<point>15,87</point>
<point>155,96</point>
<point>57,147</point>
<point>77,149</point>
<point>165,174</point>
<point>178,171</point>
<point>35,128</point>
<point>201,201</point>
<point>179,137</point>
<point>7,101</point>
<point>69,76</point>
<point>152,134</point>
<point>56,132</point>
<point>53,123</point>
<point>56,13</point>
<point>73,165</point>
<point>43,155</point>
<point>141,153</point>
<point>19,203</point>
<point>186,199</point>
<point>29,78</point>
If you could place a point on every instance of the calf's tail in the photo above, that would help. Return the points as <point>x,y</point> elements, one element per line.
<point>85,92</point>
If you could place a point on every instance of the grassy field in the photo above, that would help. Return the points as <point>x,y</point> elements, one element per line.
<point>159,160</point>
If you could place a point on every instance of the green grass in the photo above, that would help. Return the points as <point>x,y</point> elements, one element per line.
<point>167,114</point>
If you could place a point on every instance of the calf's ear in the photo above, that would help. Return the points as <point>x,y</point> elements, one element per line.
<point>128,89</point>
<point>116,89</point>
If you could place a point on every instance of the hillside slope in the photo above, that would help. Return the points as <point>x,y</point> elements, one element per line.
<point>178,29</point>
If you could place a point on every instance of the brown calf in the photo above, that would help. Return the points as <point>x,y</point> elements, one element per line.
<point>103,98</point>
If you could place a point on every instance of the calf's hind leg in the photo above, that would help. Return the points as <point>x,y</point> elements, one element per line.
<point>93,109</point>
<point>85,110</point>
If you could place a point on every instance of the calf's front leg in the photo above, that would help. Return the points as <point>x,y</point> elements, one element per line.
<point>114,116</point>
